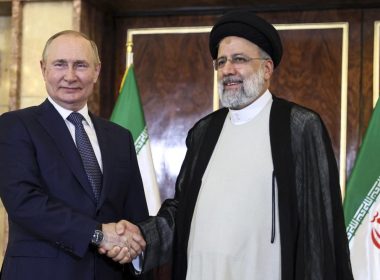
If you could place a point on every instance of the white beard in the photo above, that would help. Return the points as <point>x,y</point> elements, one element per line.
<point>239,98</point>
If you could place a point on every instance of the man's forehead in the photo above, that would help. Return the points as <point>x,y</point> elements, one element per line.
<point>69,42</point>
<point>237,44</point>
<point>238,41</point>
<point>70,36</point>
<point>73,48</point>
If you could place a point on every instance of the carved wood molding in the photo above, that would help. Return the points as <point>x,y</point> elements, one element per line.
<point>14,93</point>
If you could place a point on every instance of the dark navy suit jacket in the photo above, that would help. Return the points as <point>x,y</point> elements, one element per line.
<point>51,208</point>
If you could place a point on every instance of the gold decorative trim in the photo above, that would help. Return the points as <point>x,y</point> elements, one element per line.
<point>343,112</point>
<point>215,95</point>
<point>167,30</point>
<point>376,57</point>
<point>294,26</point>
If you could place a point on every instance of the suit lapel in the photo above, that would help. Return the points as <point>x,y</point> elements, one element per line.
<point>55,126</point>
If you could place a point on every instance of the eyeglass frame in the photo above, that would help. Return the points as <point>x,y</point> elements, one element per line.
<point>233,60</point>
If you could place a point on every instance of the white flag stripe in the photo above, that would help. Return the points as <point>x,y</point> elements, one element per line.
<point>365,256</point>
<point>152,196</point>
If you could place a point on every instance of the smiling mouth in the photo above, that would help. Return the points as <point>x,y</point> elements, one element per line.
<point>232,84</point>
<point>232,81</point>
<point>71,88</point>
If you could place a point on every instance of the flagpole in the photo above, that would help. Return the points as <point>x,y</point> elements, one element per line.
<point>129,56</point>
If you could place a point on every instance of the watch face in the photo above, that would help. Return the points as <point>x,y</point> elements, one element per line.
<point>97,238</point>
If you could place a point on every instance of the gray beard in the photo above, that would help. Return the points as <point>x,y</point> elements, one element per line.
<point>242,97</point>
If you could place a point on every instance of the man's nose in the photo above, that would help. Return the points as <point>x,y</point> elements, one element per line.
<point>70,74</point>
<point>228,68</point>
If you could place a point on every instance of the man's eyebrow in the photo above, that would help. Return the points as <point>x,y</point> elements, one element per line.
<point>60,60</point>
<point>80,61</point>
<point>232,55</point>
<point>240,53</point>
<point>75,61</point>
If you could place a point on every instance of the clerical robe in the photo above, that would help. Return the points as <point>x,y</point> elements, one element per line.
<point>313,238</point>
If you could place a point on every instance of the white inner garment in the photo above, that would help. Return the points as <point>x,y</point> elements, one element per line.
<point>230,236</point>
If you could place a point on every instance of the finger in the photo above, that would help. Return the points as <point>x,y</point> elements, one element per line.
<point>139,240</point>
<point>125,260</point>
<point>133,253</point>
<point>124,253</point>
<point>102,251</point>
<point>113,252</point>
<point>135,248</point>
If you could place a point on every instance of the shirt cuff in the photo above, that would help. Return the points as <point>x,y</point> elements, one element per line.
<point>137,263</point>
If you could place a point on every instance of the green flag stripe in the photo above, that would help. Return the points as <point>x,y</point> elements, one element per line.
<point>366,170</point>
<point>364,207</point>
<point>128,110</point>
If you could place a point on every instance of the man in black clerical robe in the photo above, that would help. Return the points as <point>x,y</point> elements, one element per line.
<point>312,231</point>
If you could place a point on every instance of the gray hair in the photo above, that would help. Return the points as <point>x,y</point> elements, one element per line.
<point>264,54</point>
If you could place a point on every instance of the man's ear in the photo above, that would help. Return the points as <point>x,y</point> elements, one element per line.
<point>97,72</point>
<point>43,68</point>
<point>268,69</point>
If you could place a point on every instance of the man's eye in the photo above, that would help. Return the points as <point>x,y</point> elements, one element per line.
<point>221,62</point>
<point>59,64</point>
<point>82,65</point>
<point>239,59</point>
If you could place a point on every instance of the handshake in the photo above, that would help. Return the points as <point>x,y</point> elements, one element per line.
<point>122,241</point>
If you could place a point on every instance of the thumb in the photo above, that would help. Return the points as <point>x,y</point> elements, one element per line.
<point>121,227</point>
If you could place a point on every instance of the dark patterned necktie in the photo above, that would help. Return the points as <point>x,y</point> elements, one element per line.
<point>87,154</point>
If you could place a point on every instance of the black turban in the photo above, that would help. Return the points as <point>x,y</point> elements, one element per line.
<point>246,24</point>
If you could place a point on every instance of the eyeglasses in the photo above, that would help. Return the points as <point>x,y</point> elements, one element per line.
<point>237,60</point>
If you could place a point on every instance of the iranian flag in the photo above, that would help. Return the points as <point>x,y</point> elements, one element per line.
<point>362,205</point>
<point>128,113</point>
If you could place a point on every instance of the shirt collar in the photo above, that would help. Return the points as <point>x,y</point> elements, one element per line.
<point>65,113</point>
<point>248,113</point>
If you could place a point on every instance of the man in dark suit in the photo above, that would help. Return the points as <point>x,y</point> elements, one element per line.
<point>67,176</point>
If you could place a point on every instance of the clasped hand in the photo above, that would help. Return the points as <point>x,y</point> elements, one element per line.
<point>122,241</point>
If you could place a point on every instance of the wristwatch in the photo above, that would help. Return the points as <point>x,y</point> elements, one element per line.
<point>97,237</point>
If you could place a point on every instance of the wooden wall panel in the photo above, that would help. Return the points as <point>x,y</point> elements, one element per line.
<point>367,73</point>
<point>173,73</point>
<point>310,74</point>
